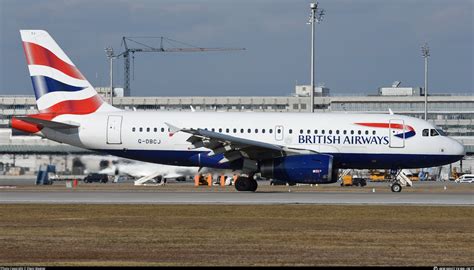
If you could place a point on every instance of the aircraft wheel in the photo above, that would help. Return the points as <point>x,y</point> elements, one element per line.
<point>396,187</point>
<point>253,185</point>
<point>245,184</point>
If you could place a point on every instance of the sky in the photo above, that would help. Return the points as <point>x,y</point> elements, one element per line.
<point>360,45</point>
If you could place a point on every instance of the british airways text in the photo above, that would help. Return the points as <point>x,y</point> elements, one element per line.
<point>336,139</point>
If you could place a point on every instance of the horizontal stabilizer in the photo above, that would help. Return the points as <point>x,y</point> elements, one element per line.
<point>48,123</point>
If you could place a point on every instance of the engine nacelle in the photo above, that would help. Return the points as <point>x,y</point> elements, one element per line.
<point>309,169</point>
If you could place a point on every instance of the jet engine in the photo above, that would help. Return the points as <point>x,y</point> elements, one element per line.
<point>309,169</point>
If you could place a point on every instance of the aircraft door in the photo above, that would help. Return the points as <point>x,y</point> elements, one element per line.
<point>279,133</point>
<point>397,133</point>
<point>114,129</point>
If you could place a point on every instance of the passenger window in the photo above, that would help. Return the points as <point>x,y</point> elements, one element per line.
<point>249,130</point>
<point>226,130</point>
<point>434,132</point>
<point>279,131</point>
<point>337,131</point>
<point>256,130</point>
<point>344,132</point>
<point>290,131</point>
<point>315,131</point>
<point>425,132</point>
<point>366,132</point>
<point>220,130</point>
<point>155,129</point>
<point>235,130</point>
<point>263,130</point>
<point>308,131</point>
<point>141,129</point>
<point>133,129</point>
<point>373,132</point>
<point>213,129</point>
<point>301,131</point>
<point>162,129</point>
<point>147,129</point>
<point>270,131</point>
<point>330,131</point>
<point>241,130</point>
<point>352,132</point>
<point>323,131</point>
<point>359,132</point>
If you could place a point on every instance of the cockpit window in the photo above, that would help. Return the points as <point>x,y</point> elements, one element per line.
<point>441,132</point>
<point>426,132</point>
<point>434,132</point>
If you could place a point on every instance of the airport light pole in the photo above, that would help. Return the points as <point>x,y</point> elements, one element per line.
<point>425,50</point>
<point>316,17</point>
<point>110,54</point>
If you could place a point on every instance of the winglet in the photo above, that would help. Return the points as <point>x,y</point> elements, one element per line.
<point>173,129</point>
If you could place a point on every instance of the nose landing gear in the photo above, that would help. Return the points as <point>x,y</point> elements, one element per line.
<point>396,187</point>
<point>399,179</point>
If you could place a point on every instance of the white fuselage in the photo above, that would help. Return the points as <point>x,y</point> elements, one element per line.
<point>131,134</point>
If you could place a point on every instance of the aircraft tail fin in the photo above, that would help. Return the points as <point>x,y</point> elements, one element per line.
<point>59,86</point>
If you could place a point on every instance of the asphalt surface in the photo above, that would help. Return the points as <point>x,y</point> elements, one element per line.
<point>428,193</point>
<point>101,197</point>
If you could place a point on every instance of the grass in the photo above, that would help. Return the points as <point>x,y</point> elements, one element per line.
<point>216,235</point>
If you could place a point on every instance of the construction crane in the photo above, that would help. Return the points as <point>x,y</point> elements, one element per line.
<point>130,51</point>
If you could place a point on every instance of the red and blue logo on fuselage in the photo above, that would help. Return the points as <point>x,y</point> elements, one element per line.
<point>407,131</point>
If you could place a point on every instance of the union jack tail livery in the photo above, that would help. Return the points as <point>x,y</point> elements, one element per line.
<point>59,86</point>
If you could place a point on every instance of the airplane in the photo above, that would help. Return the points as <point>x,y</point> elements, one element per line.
<point>294,147</point>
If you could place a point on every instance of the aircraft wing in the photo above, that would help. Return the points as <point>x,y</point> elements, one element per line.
<point>235,148</point>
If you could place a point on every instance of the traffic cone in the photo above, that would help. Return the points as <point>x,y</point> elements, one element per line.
<point>196,180</point>
<point>222,178</point>
<point>209,179</point>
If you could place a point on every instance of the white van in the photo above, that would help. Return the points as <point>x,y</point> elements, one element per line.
<point>465,178</point>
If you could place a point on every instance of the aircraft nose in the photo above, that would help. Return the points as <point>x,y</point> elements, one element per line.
<point>458,148</point>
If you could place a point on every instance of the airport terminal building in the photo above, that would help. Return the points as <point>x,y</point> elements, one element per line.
<point>454,113</point>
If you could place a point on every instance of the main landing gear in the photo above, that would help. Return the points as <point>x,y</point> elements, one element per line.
<point>245,184</point>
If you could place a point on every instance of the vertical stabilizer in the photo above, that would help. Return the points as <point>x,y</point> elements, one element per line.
<point>60,88</point>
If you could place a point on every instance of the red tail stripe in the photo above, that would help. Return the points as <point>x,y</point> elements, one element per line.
<point>386,125</point>
<point>38,55</point>
<point>82,106</point>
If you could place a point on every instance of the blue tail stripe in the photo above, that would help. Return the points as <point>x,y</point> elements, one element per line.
<point>43,85</point>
